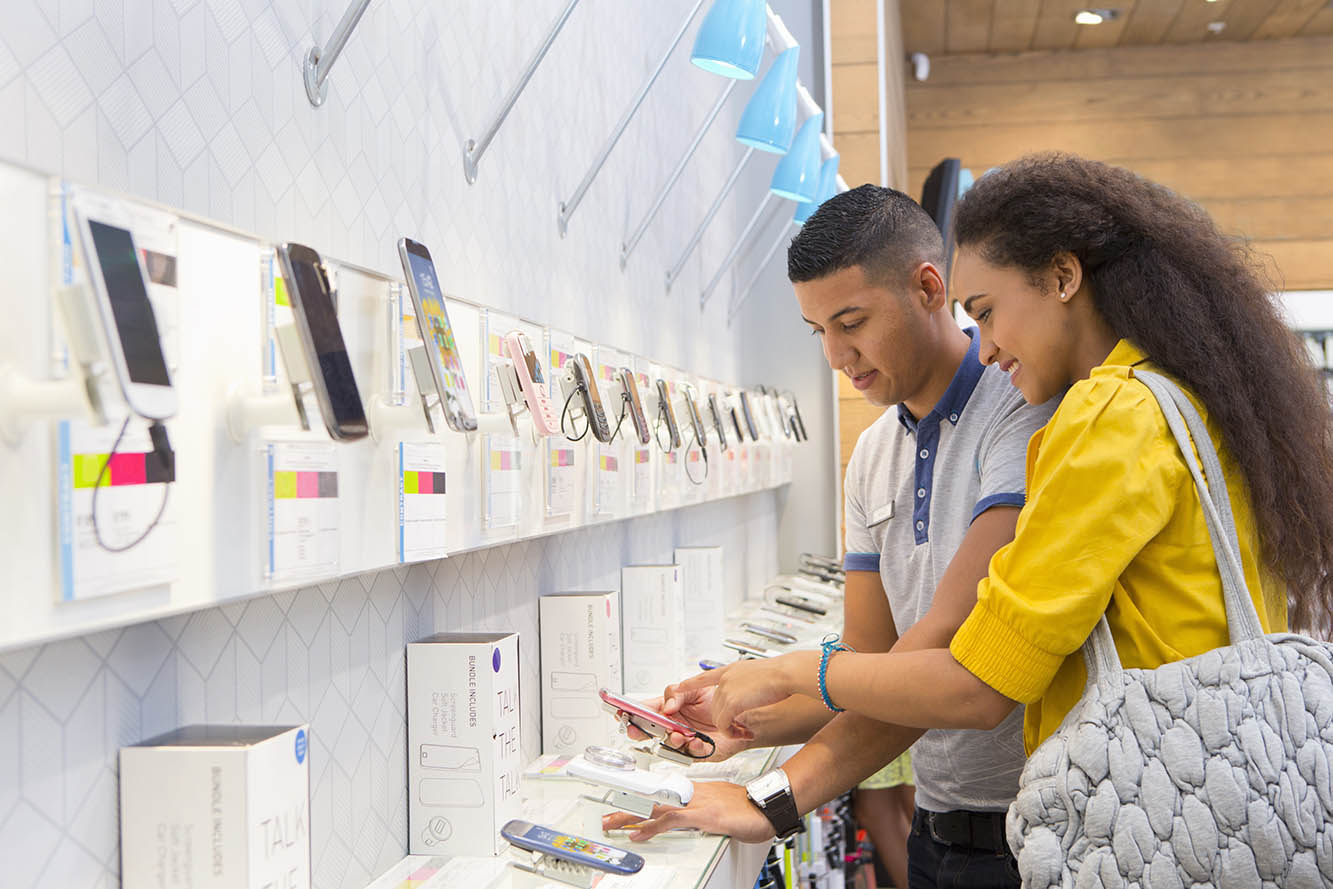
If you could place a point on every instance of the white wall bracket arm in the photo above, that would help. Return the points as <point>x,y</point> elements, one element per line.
<point>784,235</point>
<point>318,61</point>
<point>674,271</point>
<point>473,149</point>
<point>735,249</point>
<point>568,207</point>
<point>628,245</point>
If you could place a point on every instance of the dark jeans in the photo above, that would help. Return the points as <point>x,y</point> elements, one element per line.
<point>932,864</point>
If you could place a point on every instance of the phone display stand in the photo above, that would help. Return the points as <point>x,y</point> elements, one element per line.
<point>389,415</point>
<point>515,414</point>
<point>551,867</point>
<point>24,400</point>
<point>250,407</point>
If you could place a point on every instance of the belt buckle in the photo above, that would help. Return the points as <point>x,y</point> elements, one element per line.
<point>934,834</point>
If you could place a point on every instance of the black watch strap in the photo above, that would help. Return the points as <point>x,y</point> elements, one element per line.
<point>780,810</point>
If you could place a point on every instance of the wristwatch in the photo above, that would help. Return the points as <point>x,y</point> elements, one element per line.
<point>771,793</point>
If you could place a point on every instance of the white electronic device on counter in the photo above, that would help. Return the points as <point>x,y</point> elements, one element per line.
<point>633,789</point>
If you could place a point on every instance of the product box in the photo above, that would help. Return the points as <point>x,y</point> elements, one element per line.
<point>216,807</point>
<point>701,582</point>
<point>580,636</point>
<point>463,750</point>
<point>652,628</point>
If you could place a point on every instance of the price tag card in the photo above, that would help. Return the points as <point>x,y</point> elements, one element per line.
<point>561,467</point>
<point>422,511</point>
<point>502,480</point>
<point>303,510</point>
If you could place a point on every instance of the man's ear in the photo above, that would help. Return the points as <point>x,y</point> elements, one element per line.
<point>928,284</point>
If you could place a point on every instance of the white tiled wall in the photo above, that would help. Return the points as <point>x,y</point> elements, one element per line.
<point>199,104</point>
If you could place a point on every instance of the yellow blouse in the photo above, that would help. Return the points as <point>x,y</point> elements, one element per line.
<point>1112,525</point>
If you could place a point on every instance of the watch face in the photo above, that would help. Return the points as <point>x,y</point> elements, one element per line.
<point>767,784</point>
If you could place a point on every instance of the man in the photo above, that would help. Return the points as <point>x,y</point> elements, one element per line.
<point>933,489</point>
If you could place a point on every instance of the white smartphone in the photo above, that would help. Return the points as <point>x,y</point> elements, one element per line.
<point>120,282</point>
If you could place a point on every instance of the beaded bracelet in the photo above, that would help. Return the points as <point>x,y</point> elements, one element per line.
<point>828,646</point>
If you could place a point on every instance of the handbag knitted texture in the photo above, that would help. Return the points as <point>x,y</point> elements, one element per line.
<point>1213,770</point>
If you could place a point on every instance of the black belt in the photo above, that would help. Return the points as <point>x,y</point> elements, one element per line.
<point>978,830</point>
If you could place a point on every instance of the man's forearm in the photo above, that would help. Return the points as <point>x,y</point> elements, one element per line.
<point>793,721</point>
<point>844,753</point>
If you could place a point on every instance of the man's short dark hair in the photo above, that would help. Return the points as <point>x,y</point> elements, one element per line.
<point>881,230</point>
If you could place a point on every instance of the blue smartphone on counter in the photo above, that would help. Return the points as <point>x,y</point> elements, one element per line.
<point>579,850</point>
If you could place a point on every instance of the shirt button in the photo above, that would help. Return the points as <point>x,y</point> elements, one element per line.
<point>924,453</point>
<point>920,492</point>
<point>920,526</point>
<point>953,418</point>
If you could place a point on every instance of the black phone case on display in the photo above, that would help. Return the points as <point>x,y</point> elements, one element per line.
<point>635,405</point>
<point>592,399</point>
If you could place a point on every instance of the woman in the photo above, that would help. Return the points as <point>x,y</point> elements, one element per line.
<point>1079,273</point>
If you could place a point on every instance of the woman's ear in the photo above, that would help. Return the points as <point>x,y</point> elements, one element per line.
<point>1068,275</point>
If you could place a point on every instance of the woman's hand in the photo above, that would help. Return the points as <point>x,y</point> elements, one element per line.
<point>695,709</point>
<point>749,684</point>
<point>717,807</point>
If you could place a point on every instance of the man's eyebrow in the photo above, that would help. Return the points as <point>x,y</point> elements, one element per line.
<point>967,303</point>
<point>835,316</point>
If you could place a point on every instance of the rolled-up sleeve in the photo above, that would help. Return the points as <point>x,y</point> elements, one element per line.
<point>1103,478</point>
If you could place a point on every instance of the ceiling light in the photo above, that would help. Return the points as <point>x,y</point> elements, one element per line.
<point>1095,16</point>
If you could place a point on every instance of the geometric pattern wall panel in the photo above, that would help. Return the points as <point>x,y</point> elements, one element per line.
<point>331,655</point>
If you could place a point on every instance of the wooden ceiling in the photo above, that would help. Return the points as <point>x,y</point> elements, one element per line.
<point>938,27</point>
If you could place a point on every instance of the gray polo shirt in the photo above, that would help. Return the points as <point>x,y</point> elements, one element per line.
<point>913,488</point>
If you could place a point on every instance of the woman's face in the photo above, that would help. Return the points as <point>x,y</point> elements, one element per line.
<point>1024,326</point>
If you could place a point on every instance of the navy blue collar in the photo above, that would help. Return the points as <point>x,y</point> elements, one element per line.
<point>960,389</point>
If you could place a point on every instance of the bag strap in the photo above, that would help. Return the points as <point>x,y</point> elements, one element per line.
<point>1191,434</point>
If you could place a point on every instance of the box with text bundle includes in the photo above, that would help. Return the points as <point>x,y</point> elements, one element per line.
<point>652,626</point>
<point>463,751</point>
<point>580,636</point>
<point>701,582</point>
<point>216,807</point>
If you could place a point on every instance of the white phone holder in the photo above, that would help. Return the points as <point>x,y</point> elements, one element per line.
<point>386,416</point>
<point>552,867</point>
<point>249,406</point>
<point>24,400</point>
<point>631,789</point>
<point>514,415</point>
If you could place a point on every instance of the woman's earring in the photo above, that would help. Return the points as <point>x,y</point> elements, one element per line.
<point>1064,297</point>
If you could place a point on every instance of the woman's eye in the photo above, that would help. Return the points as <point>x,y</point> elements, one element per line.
<point>816,332</point>
<point>848,328</point>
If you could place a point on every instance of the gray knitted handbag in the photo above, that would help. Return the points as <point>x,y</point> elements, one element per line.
<point>1214,770</point>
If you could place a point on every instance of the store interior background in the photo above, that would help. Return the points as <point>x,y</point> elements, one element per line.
<point>198,104</point>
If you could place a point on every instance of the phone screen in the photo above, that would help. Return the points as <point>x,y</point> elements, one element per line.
<point>530,359</point>
<point>321,319</point>
<point>136,325</point>
<point>433,320</point>
<point>577,846</point>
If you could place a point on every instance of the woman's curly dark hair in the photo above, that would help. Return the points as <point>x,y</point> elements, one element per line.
<point>1195,301</point>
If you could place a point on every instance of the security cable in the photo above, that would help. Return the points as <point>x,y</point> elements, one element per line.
<point>703,450</point>
<point>564,413</point>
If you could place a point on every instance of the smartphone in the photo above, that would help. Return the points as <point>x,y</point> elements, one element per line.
<point>696,419</point>
<point>120,282</point>
<point>794,412</point>
<point>666,413</point>
<point>531,381</point>
<point>736,423</point>
<point>775,413</point>
<point>800,604</point>
<point>592,399</point>
<point>433,321</point>
<point>322,338</point>
<point>749,416</point>
<point>709,664</point>
<point>650,722</point>
<point>773,634</point>
<point>716,416</point>
<point>536,838</point>
<point>626,378</point>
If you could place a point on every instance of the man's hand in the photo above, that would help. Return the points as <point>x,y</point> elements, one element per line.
<point>695,709</point>
<point>717,807</point>
<point>748,685</point>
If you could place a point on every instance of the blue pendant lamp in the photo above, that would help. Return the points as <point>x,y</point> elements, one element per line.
<point>731,39</point>
<point>797,175</point>
<point>769,118</point>
<point>828,187</point>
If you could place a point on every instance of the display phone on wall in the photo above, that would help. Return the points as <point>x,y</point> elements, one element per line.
<point>120,283</point>
<point>696,419</point>
<point>735,421</point>
<point>794,412</point>
<point>749,417</point>
<point>625,377</point>
<point>326,352</point>
<point>446,363</point>
<point>575,849</point>
<point>532,382</point>
<point>592,399</point>
<point>716,416</point>
<point>666,413</point>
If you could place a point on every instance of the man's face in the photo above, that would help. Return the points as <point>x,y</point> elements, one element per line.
<point>869,332</point>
